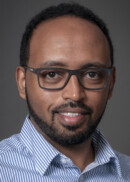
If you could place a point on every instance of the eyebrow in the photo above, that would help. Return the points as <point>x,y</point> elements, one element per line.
<point>53,63</point>
<point>57,63</point>
<point>94,64</point>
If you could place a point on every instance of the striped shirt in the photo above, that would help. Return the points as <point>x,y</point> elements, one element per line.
<point>28,157</point>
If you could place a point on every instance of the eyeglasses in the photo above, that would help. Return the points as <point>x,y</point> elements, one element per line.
<point>57,78</point>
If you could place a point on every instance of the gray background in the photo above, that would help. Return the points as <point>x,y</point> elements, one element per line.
<point>14,15</point>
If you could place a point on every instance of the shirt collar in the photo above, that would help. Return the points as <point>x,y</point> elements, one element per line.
<point>43,156</point>
<point>104,152</point>
<point>34,142</point>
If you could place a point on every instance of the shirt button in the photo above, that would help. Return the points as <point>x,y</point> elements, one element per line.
<point>63,161</point>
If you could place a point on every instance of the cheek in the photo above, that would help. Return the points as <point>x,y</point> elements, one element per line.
<point>42,101</point>
<point>97,101</point>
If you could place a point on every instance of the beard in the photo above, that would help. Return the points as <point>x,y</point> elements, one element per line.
<point>71,135</point>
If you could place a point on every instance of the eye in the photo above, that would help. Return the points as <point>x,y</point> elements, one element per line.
<point>51,74</point>
<point>92,74</point>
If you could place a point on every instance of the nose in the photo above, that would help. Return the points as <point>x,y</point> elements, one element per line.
<point>73,90</point>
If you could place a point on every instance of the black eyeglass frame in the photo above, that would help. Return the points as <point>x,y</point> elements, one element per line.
<point>71,72</point>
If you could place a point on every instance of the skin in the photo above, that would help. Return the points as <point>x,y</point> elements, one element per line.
<point>74,42</point>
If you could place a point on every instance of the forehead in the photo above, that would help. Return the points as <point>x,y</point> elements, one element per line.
<point>68,39</point>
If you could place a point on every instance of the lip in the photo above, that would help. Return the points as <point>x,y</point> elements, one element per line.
<point>72,110</point>
<point>72,117</point>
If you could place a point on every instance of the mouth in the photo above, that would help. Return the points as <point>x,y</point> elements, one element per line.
<point>72,118</point>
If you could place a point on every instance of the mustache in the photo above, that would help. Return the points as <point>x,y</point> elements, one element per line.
<point>76,104</point>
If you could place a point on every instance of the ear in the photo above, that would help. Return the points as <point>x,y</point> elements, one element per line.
<point>20,79</point>
<point>112,82</point>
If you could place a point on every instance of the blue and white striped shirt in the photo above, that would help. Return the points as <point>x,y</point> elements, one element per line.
<point>28,157</point>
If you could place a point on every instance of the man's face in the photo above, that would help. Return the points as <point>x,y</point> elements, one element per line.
<point>69,115</point>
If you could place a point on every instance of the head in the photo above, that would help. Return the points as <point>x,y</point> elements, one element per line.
<point>61,10</point>
<point>66,36</point>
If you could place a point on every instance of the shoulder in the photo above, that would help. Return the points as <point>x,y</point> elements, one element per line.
<point>13,152</point>
<point>124,161</point>
<point>10,144</point>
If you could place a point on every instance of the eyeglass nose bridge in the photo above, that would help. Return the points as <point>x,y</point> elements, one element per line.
<point>73,72</point>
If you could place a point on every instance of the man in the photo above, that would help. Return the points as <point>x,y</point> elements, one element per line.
<point>66,75</point>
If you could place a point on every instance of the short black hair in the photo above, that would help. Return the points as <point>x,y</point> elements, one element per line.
<point>72,9</point>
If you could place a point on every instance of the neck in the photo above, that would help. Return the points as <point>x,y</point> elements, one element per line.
<point>80,154</point>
